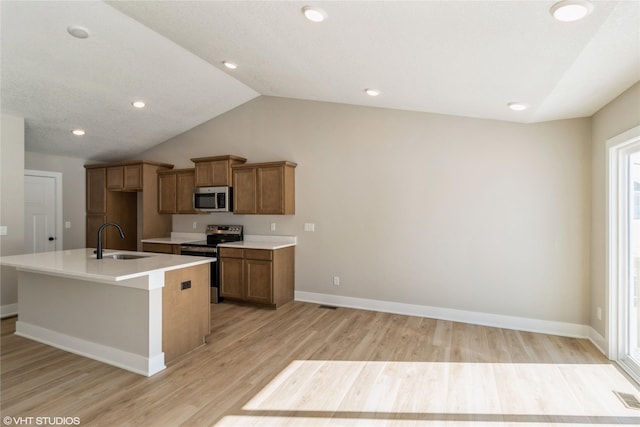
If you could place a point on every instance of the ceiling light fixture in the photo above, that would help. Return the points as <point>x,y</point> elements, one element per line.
<point>78,32</point>
<point>229,65</point>
<point>571,10</point>
<point>314,14</point>
<point>78,132</point>
<point>517,106</point>
<point>372,92</point>
<point>138,104</point>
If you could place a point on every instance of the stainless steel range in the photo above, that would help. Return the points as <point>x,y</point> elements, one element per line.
<point>216,234</point>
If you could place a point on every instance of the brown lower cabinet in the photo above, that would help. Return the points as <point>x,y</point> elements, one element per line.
<point>257,275</point>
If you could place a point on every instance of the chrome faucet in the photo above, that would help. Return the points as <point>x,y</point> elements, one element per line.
<point>99,248</point>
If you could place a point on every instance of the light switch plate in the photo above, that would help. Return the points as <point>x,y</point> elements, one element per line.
<point>309,227</point>
<point>67,224</point>
<point>3,230</point>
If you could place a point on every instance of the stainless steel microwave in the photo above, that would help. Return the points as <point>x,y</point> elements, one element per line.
<point>213,199</point>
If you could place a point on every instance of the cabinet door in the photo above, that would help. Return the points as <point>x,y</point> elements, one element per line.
<point>96,191</point>
<point>244,191</point>
<point>271,190</point>
<point>220,173</point>
<point>185,182</point>
<point>213,173</point>
<point>258,277</point>
<point>133,177</point>
<point>231,277</point>
<point>115,177</point>
<point>167,193</point>
<point>203,174</point>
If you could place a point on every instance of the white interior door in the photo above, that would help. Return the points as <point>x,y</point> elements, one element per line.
<point>41,231</point>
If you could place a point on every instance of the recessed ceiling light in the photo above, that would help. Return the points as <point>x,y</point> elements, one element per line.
<point>517,106</point>
<point>372,92</point>
<point>314,14</point>
<point>138,104</point>
<point>571,10</point>
<point>78,132</point>
<point>78,32</point>
<point>230,65</point>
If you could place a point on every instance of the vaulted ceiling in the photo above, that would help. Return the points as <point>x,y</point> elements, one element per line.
<point>466,58</point>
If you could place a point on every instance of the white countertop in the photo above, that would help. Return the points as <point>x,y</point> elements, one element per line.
<point>269,242</point>
<point>177,238</point>
<point>82,264</point>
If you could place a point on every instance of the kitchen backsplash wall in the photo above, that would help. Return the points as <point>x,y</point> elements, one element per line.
<point>419,208</point>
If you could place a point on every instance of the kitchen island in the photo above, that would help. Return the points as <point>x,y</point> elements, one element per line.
<point>133,310</point>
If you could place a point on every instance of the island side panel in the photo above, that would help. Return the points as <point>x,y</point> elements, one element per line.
<point>105,322</point>
<point>283,275</point>
<point>185,310</point>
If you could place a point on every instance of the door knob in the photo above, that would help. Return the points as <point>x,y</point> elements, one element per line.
<point>51,239</point>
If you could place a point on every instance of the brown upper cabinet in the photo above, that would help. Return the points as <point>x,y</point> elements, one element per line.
<point>96,190</point>
<point>125,177</point>
<point>132,203</point>
<point>264,188</point>
<point>215,171</point>
<point>175,191</point>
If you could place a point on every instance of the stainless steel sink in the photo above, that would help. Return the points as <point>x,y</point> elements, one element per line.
<point>126,256</point>
<point>120,256</point>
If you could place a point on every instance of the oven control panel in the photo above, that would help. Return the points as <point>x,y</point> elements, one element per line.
<point>224,229</point>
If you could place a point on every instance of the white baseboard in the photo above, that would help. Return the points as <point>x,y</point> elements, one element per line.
<point>599,341</point>
<point>573,330</point>
<point>8,310</point>
<point>136,363</point>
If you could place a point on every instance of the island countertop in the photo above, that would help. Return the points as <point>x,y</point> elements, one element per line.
<point>82,264</point>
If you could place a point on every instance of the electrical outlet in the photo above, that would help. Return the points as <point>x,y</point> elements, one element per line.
<point>336,280</point>
<point>273,226</point>
<point>195,225</point>
<point>599,313</point>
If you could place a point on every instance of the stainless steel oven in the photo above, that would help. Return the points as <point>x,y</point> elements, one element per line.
<point>216,234</point>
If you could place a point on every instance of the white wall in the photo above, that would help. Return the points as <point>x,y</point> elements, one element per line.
<point>619,115</point>
<point>73,193</point>
<point>417,208</point>
<point>11,205</point>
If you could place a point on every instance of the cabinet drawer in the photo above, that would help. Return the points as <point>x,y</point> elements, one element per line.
<point>231,252</point>
<point>261,254</point>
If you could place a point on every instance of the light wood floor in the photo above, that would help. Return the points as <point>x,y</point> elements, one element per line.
<point>304,365</point>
